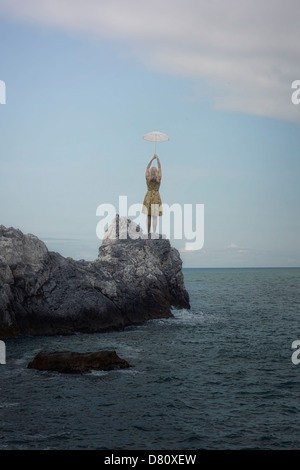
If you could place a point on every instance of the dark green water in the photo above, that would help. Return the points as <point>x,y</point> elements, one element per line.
<point>219,376</point>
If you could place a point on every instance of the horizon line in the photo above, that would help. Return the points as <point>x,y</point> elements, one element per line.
<point>242,267</point>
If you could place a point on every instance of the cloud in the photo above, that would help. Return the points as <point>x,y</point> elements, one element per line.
<point>246,51</point>
<point>234,248</point>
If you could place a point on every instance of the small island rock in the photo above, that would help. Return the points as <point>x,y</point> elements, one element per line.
<point>75,362</point>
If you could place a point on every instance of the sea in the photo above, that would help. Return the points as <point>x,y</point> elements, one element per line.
<point>223,375</point>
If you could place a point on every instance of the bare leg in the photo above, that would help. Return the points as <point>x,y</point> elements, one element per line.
<point>154,223</point>
<point>149,223</point>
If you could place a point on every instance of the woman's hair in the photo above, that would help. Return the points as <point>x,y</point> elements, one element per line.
<point>154,173</point>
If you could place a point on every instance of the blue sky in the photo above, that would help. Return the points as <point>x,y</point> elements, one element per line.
<point>86,80</point>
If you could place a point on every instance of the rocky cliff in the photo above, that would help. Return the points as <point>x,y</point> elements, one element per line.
<point>134,279</point>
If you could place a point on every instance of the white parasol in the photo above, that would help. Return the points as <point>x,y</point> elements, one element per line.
<point>156,136</point>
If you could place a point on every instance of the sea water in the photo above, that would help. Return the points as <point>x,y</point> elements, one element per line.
<point>219,376</point>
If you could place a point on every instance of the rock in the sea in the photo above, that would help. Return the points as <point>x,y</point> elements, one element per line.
<point>75,362</point>
<point>134,279</point>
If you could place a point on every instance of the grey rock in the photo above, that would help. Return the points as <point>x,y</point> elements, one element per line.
<point>75,362</point>
<point>134,279</point>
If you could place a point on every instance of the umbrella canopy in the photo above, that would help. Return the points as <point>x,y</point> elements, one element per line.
<point>156,136</point>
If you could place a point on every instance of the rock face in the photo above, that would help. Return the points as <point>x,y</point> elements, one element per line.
<point>74,362</point>
<point>134,279</point>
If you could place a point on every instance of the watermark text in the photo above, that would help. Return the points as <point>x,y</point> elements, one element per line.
<point>2,92</point>
<point>295,356</point>
<point>2,353</point>
<point>187,221</point>
<point>296,94</point>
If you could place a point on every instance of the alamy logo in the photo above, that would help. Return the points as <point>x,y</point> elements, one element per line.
<point>295,358</point>
<point>2,353</point>
<point>296,94</point>
<point>2,92</point>
<point>188,221</point>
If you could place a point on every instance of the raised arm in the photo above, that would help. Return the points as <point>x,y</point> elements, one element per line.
<point>148,167</point>
<point>159,167</point>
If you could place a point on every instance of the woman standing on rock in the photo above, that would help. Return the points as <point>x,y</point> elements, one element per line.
<point>152,205</point>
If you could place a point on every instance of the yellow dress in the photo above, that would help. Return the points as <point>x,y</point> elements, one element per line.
<point>152,204</point>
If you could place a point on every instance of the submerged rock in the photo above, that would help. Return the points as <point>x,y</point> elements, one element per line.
<point>74,362</point>
<point>134,279</point>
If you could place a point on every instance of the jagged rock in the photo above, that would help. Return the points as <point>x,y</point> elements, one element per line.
<point>122,228</point>
<point>74,362</point>
<point>43,293</point>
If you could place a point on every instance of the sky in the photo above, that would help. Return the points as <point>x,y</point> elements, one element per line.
<point>86,79</point>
